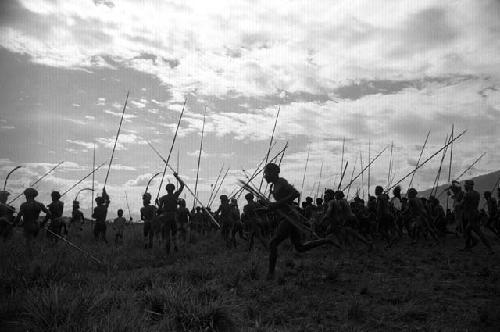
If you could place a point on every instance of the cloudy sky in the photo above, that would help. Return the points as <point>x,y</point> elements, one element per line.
<point>367,71</point>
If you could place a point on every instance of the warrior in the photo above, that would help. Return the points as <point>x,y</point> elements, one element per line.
<point>237,225</point>
<point>471,217</point>
<point>384,217</point>
<point>348,220</point>
<point>284,194</point>
<point>183,220</point>
<point>491,224</point>
<point>457,195</point>
<point>397,207</point>
<point>29,212</point>
<point>100,212</point>
<point>6,216</point>
<point>148,213</point>
<point>227,216</point>
<point>77,219</point>
<point>253,221</point>
<point>119,226</point>
<point>197,220</point>
<point>167,208</point>
<point>56,225</point>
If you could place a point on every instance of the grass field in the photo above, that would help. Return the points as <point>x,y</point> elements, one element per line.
<point>205,287</point>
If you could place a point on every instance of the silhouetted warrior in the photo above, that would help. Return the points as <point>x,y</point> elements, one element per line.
<point>385,219</point>
<point>6,216</point>
<point>284,194</point>
<point>167,207</point>
<point>471,217</point>
<point>457,195</point>
<point>253,221</point>
<point>100,212</point>
<point>119,226</point>
<point>348,220</point>
<point>148,212</point>
<point>77,219</point>
<point>416,214</point>
<point>492,222</point>
<point>183,220</point>
<point>227,217</point>
<point>237,225</point>
<point>56,225</point>
<point>29,212</point>
<point>197,220</point>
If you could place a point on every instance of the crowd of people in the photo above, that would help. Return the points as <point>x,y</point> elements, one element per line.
<point>327,220</point>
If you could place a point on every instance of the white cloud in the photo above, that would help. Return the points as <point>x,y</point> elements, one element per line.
<point>101,101</point>
<point>87,145</point>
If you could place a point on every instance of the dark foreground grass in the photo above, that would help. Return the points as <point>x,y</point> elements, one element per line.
<point>204,287</point>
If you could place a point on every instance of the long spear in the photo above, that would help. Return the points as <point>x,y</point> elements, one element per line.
<point>116,140</point>
<point>185,185</point>
<point>271,142</point>
<point>8,175</point>
<point>451,159</point>
<point>47,173</point>
<point>149,181</point>
<point>352,175</point>
<point>171,148</point>
<point>419,157</point>
<point>93,182</point>
<point>37,181</point>
<point>214,187</point>
<point>80,181</point>
<point>319,182</point>
<point>304,177</point>
<point>283,154</point>
<point>362,175</point>
<point>366,167</point>
<point>423,163</point>
<point>342,175</point>
<point>369,168</point>
<point>218,189</point>
<point>438,175</point>
<point>466,170</point>
<point>390,166</point>
<point>199,156</point>
<point>75,246</point>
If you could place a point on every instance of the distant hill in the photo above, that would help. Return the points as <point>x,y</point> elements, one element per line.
<point>482,183</point>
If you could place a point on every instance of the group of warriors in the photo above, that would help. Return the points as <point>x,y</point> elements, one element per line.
<point>329,220</point>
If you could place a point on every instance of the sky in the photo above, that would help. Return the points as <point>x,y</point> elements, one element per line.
<point>369,73</point>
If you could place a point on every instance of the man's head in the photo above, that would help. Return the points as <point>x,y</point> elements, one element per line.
<point>249,197</point>
<point>379,190</point>
<point>120,213</point>
<point>309,200</point>
<point>198,208</point>
<point>319,201</point>
<point>170,188</point>
<point>271,172</point>
<point>397,191</point>
<point>55,196</point>
<point>234,201</point>
<point>30,193</point>
<point>412,193</point>
<point>469,185</point>
<point>99,200</point>
<point>146,198</point>
<point>3,196</point>
<point>76,205</point>
<point>339,194</point>
<point>329,194</point>
<point>224,199</point>
<point>182,202</point>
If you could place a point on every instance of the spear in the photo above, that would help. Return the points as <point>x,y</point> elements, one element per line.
<point>177,166</point>
<point>116,140</point>
<point>466,170</point>
<point>390,166</point>
<point>75,246</point>
<point>79,191</point>
<point>47,173</point>
<point>319,183</point>
<point>423,163</point>
<point>419,157</point>
<point>451,159</point>
<point>304,177</point>
<point>80,181</point>
<point>128,206</point>
<point>171,148</point>
<point>218,189</point>
<point>362,175</point>
<point>93,182</point>
<point>37,181</point>
<point>342,160</point>
<point>260,168</point>
<point>271,142</point>
<point>214,187</point>
<point>342,175</point>
<point>149,181</point>
<point>369,168</point>
<point>438,175</point>
<point>352,175</point>
<point>283,154</point>
<point>366,167</point>
<point>8,175</point>
<point>199,156</point>
<point>185,185</point>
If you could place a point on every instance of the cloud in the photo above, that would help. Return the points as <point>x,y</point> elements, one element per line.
<point>87,145</point>
<point>126,116</point>
<point>101,101</point>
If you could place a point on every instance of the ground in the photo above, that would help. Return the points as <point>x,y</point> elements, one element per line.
<point>205,287</point>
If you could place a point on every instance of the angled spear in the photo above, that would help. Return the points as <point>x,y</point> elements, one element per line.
<point>199,156</point>
<point>271,142</point>
<point>214,186</point>
<point>366,167</point>
<point>116,140</point>
<point>369,168</point>
<point>320,175</point>
<point>86,176</point>
<point>218,189</point>
<point>438,175</point>
<point>47,173</point>
<point>419,157</point>
<point>303,178</point>
<point>171,148</point>
<point>449,167</point>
